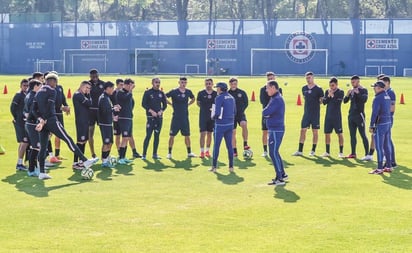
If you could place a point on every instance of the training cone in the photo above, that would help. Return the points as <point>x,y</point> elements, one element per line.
<point>5,89</point>
<point>69,94</point>
<point>253,96</point>
<point>402,99</point>
<point>2,150</point>
<point>299,101</point>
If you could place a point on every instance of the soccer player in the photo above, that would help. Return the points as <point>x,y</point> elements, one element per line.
<point>81,104</point>
<point>205,99</point>
<point>95,92</point>
<point>30,125</point>
<point>45,111</point>
<point>387,81</point>
<point>313,95</point>
<point>358,96</point>
<point>242,103</point>
<point>274,113</point>
<point>180,119</point>
<point>333,118</point>
<point>16,109</point>
<point>224,115</point>
<point>154,102</point>
<point>105,118</point>
<point>113,97</point>
<point>264,100</point>
<point>380,126</point>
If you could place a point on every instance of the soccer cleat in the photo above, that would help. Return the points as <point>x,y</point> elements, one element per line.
<point>207,154</point>
<point>326,154</point>
<point>48,164</point>
<point>231,169</point>
<point>156,157</point>
<point>77,166</point>
<point>394,165</point>
<point>124,161</point>
<point>33,173</point>
<point>136,155</point>
<point>264,154</point>
<point>376,172</point>
<point>297,153</point>
<point>143,157</point>
<point>234,154</point>
<point>202,155</point>
<point>107,165</point>
<point>94,156</point>
<point>90,162</point>
<point>54,159</point>
<point>21,167</point>
<point>341,155</point>
<point>190,155</point>
<point>367,158</point>
<point>246,147</point>
<point>351,156</point>
<point>277,182</point>
<point>44,176</point>
<point>285,177</point>
<point>312,153</point>
<point>169,156</point>
<point>213,169</point>
<point>388,170</point>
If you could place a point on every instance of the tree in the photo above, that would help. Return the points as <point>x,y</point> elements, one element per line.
<point>181,10</point>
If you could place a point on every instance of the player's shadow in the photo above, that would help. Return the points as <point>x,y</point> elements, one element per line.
<point>207,162</point>
<point>157,165</point>
<point>104,173</point>
<point>232,178</point>
<point>243,164</point>
<point>124,169</point>
<point>184,164</point>
<point>286,164</point>
<point>401,177</point>
<point>32,185</point>
<point>286,195</point>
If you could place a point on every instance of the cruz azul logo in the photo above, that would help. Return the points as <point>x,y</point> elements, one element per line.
<point>300,47</point>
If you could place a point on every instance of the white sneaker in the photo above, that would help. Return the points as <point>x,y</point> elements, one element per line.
<point>90,162</point>
<point>326,154</point>
<point>265,154</point>
<point>341,155</point>
<point>312,153</point>
<point>191,155</point>
<point>169,156</point>
<point>297,153</point>
<point>44,176</point>
<point>49,164</point>
<point>213,169</point>
<point>367,158</point>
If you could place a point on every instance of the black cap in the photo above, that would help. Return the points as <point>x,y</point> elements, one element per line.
<point>221,85</point>
<point>379,84</point>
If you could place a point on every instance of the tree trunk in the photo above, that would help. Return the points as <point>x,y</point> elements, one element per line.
<point>210,16</point>
<point>181,8</point>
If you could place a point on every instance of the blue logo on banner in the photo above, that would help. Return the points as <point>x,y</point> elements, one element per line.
<point>300,47</point>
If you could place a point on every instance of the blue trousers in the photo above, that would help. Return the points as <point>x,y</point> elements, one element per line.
<point>383,144</point>
<point>393,160</point>
<point>220,132</point>
<point>274,142</point>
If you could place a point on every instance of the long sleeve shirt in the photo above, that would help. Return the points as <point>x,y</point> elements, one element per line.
<point>154,100</point>
<point>357,102</point>
<point>225,109</point>
<point>274,113</point>
<point>381,110</point>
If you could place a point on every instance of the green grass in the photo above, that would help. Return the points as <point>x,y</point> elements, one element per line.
<point>329,205</point>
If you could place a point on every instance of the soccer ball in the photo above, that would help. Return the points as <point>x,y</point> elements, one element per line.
<point>87,173</point>
<point>113,161</point>
<point>247,154</point>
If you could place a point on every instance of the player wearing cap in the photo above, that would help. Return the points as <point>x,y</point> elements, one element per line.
<point>154,102</point>
<point>180,119</point>
<point>242,103</point>
<point>81,103</point>
<point>45,111</point>
<point>205,99</point>
<point>16,109</point>
<point>224,114</point>
<point>333,118</point>
<point>358,96</point>
<point>313,95</point>
<point>380,126</point>
<point>95,92</point>
<point>274,113</point>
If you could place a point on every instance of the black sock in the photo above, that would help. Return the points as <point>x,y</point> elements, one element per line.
<point>118,152</point>
<point>49,147</point>
<point>134,150</point>
<point>265,148</point>
<point>105,154</point>
<point>27,155</point>
<point>371,151</point>
<point>122,152</point>
<point>313,147</point>
<point>189,150</point>
<point>300,147</point>
<point>244,143</point>
<point>33,159</point>
<point>341,149</point>
<point>170,150</point>
<point>235,150</point>
<point>328,148</point>
<point>57,152</point>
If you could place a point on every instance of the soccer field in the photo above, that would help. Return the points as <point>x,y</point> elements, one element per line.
<point>328,205</point>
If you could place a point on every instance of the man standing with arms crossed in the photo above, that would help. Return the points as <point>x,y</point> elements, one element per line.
<point>313,95</point>
<point>180,119</point>
<point>205,99</point>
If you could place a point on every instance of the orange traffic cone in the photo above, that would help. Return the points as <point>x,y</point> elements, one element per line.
<point>299,101</point>
<point>402,99</point>
<point>5,89</point>
<point>253,97</point>
<point>69,94</point>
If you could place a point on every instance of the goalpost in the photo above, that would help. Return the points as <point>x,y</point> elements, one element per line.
<point>288,61</point>
<point>171,61</point>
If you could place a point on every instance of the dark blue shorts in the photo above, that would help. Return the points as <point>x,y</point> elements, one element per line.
<point>154,124</point>
<point>116,128</point>
<point>125,127</point>
<point>206,124</point>
<point>181,125</point>
<point>264,127</point>
<point>82,131</point>
<point>238,119</point>
<point>311,121</point>
<point>107,133</point>
<point>333,124</point>
<point>21,134</point>
<point>33,135</point>
<point>93,117</point>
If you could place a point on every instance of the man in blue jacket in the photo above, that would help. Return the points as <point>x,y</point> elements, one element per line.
<point>274,113</point>
<point>380,126</point>
<point>224,114</point>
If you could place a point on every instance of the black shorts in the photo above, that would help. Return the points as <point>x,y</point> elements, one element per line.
<point>238,119</point>
<point>264,127</point>
<point>82,131</point>
<point>33,135</point>
<point>107,133</point>
<point>93,116</point>
<point>310,121</point>
<point>181,125</point>
<point>125,127</point>
<point>60,118</point>
<point>333,124</point>
<point>206,124</point>
<point>21,134</point>
<point>116,129</point>
<point>154,124</point>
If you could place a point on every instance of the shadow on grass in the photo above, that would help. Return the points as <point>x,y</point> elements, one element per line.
<point>184,164</point>
<point>32,185</point>
<point>331,161</point>
<point>124,169</point>
<point>157,165</point>
<point>243,164</point>
<point>232,178</point>
<point>104,173</point>
<point>399,178</point>
<point>288,196</point>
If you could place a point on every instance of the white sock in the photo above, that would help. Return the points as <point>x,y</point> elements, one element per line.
<point>202,149</point>
<point>207,149</point>
<point>19,161</point>
<point>51,154</point>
